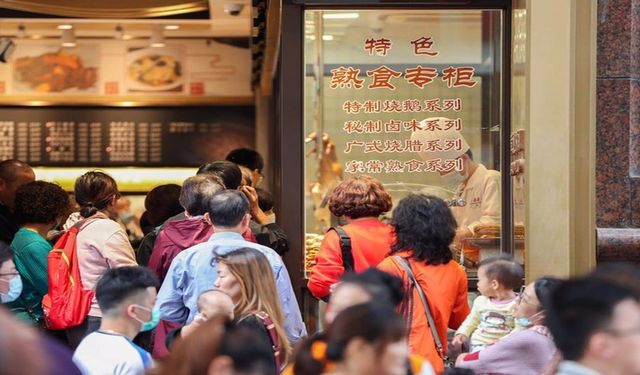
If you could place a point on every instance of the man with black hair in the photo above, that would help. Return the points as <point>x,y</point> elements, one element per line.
<point>126,296</point>
<point>13,174</point>
<point>194,270</point>
<point>596,326</point>
<point>266,232</point>
<point>249,159</point>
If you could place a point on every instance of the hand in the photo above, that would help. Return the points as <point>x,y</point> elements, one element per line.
<point>191,327</point>
<point>461,234</point>
<point>458,340</point>
<point>256,212</point>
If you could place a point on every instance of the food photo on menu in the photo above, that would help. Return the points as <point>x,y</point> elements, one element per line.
<point>51,69</point>
<point>155,69</point>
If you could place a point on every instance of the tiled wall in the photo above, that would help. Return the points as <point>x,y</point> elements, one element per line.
<point>618,131</point>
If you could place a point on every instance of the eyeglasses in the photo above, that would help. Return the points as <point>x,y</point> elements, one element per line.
<point>521,297</point>
<point>622,333</point>
<point>12,274</point>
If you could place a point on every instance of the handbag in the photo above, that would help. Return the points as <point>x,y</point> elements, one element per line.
<point>273,336</point>
<point>404,263</point>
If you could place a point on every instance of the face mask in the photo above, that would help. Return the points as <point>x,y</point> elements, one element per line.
<point>526,322</point>
<point>15,289</point>
<point>155,318</point>
<point>453,179</point>
<point>126,217</point>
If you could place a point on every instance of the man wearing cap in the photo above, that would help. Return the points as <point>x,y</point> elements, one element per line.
<point>478,186</point>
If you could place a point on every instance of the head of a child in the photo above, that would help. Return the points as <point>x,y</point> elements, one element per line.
<point>215,304</point>
<point>499,276</point>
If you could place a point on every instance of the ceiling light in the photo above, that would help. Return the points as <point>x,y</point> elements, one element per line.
<point>157,38</point>
<point>171,27</point>
<point>327,37</point>
<point>65,26</point>
<point>340,16</point>
<point>68,38</point>
<point>127,37</point>
<point>22,32</point>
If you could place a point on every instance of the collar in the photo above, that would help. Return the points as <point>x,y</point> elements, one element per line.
<point>575,368</point>
<point>226,236</point>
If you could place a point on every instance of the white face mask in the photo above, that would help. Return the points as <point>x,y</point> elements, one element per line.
<point>454,179</point>
<point>15,289</point>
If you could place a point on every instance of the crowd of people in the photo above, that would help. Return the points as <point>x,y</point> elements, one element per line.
<point>206,290</point>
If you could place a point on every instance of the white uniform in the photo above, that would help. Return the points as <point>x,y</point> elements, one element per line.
<point>482,194</point>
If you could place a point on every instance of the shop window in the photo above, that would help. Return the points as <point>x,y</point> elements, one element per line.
<point>415,99</point>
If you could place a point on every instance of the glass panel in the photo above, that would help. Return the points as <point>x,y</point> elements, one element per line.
<point>412,98</point>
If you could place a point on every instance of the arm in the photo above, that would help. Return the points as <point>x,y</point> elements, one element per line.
<point>461,304</point>
<point>293,324</point>
<point>503,357</point>
<point>118,251</point>
<point>328,268</point>
<point>158,256</point>
<point>490,204</point>
<point>170,302</point>
<point>35,265</point>
<point>143,254</point>
<point>472,321</point>
<point>271,235</point>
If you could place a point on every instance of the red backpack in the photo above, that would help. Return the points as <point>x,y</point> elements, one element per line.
<point>66,304</point>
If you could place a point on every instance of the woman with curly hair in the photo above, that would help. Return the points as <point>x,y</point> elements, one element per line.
<point>360,200</point>
<point>39,206</point>
<point>424,228</point>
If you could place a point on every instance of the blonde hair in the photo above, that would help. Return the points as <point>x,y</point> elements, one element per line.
<point>253,271</point>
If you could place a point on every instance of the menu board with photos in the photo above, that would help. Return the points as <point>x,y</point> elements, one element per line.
<point>124,136</point>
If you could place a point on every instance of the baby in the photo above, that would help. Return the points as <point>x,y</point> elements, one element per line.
<point>491,316</point>
<point>211,304</point>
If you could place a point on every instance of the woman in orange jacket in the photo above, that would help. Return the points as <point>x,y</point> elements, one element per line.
<point>360,200</point>
<point>425,228</point>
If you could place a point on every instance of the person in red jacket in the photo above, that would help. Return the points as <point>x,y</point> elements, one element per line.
<point>360,200</point>
<point>182,233</point>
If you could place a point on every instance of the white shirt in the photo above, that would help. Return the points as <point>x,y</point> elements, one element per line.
<point>105,353</point>
<point>482,194</point>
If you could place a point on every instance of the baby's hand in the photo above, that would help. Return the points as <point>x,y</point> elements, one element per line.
<point>458,340</point>
<point>191,327</point>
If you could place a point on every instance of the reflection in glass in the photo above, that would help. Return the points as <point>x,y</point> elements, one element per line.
<point>412,98</point>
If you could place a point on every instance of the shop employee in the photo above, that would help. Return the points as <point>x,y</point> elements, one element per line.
<point>478,186</point>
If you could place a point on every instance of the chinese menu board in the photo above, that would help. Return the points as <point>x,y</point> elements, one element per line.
<point>396,133</point>
<point>123,136</point>
<point>43,69</point>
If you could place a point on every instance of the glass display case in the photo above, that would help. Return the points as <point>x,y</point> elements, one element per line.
<point>414,99</point>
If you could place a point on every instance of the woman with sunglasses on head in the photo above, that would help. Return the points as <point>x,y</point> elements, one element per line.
<point>101,242</point>
<point>528,349</point>
<point>246,276</point>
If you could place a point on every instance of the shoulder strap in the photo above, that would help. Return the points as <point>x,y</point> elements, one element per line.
<point>271,329</point>
<point>404,263</point>
<point>345,248</point>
